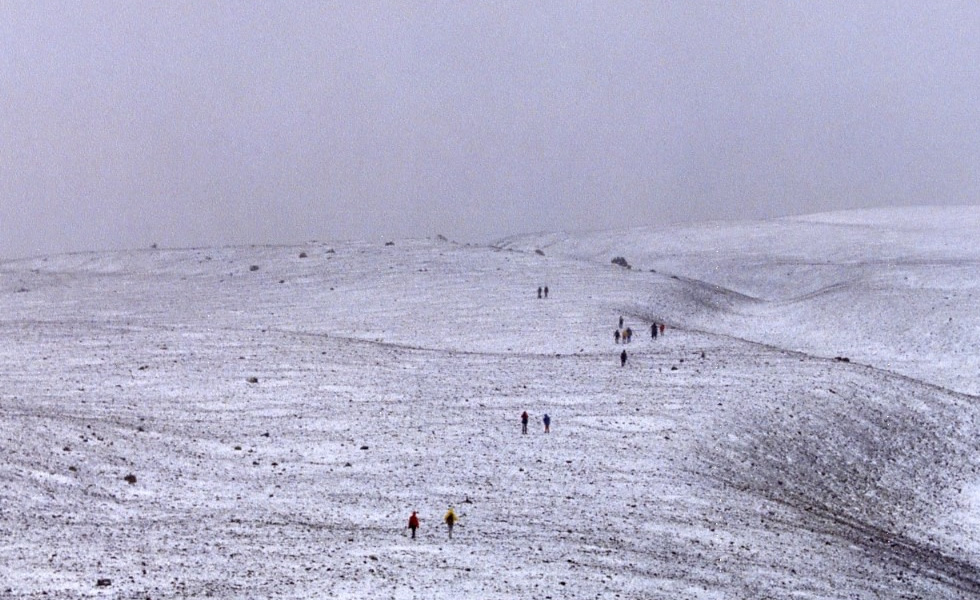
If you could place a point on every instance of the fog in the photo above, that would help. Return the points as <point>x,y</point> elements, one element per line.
<point>182,123</point>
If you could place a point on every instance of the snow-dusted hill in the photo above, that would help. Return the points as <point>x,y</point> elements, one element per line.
<point>284,409</point>
<point>896,288</point>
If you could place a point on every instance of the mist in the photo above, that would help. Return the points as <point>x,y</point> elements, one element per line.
<point>201,124</point>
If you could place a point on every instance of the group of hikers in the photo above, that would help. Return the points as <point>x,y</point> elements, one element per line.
<point>450,519</point>
<point>543,290</point>
<point>627,336</point>
<point>525,418</point>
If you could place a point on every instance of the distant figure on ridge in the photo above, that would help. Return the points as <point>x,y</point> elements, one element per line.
<point>547,423</point>
<point>524,419</point>
<point>622,359</point>
<point>628,335</point>
<point>620,322</point>
<point>413,523</point>
<point>616,335</point>
<point>545,291</point>
<point>662,327</point>
<point>539,293</point>
<point>450,520</point>
<point>653,330</point>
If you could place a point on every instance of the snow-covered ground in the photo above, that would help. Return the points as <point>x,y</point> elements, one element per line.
<point>284,409</point>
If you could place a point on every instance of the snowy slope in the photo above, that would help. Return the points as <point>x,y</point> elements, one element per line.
<point>895,288</point>
<point>731,458</point>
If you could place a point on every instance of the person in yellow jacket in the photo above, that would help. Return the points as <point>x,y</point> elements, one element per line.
<point>450,519</point>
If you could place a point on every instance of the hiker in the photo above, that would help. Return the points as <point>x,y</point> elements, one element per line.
<point>628,335</point>
<point>662,327</point>
<point>653,330</point>
<point>620,322</point>
<point>547,423</point>
<point>616,335</point>
<point>545,291</point>
<point>413,523</point>
<point>524,419</point>
<point>539,293</point>
<point>622,359</point>
<point>450,520</point>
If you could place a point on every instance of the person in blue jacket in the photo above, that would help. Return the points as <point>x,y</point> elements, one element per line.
<point>547,423</point>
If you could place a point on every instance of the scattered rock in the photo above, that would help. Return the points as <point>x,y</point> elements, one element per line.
<point>253,379</point>
<point>103,582</point>
<point>539,252</point>
<point>254,268</point>
<point>364,447</point>
<point>302,254</point>
<point>619,260</point>
<point>130,479</point>
<point>389,243</point>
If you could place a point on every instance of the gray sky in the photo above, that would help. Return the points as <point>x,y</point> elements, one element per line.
<point>197,123</point>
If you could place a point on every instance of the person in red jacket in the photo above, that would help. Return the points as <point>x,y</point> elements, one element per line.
<point>413,523</point>
<point>524,419</point>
